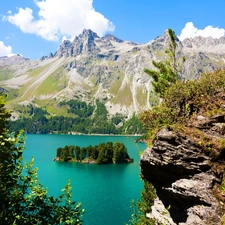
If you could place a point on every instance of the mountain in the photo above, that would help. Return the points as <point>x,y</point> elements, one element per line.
<point>107,69</point>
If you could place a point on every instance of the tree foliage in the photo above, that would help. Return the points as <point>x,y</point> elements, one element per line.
<point>167,72</point>
<point>84,118</point>
<point>23,199</point>
<point>143,206</point>
<point>183,101</point>
<point>101,154</point>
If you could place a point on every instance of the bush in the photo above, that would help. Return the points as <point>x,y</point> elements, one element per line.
<point>23,199</point>
<point>184,100</point>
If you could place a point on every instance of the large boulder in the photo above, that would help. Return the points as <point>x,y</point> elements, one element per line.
<point>184,179</point>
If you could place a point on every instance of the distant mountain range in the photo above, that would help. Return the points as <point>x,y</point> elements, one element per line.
<point>107,68</point>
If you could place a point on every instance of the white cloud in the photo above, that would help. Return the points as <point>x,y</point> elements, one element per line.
<point>59,18</point>
<point>190,31</point>
<point>5,50</point>
<point>66,38</point>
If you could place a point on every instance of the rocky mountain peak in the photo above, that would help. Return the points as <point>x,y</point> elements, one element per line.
<point>161,43</point>
<point>88,42</point>
<point>110,37</point>
<point>205,44</point>
<point>6,61</point>
<point>82,44</point>
<point>88,34</point>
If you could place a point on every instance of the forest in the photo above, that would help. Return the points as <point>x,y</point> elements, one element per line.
<point>103,153</point>
<point>83,118</point>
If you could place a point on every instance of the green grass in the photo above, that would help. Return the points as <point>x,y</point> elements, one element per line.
<point>35,72</point>
<point>117,83</point>
<point>124,96</point>
<point>12,95</point>
<point>111,63</point>
<point>6,74</point>
<point>32,74</point>
<point>141,96</point>
<point>53,108</point>
<point>159,55</point>
<point>54,83</point>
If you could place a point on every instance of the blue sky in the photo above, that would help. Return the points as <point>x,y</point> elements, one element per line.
<point>35,28</point>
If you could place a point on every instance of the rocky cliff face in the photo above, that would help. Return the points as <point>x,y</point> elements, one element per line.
<point>185,176</point>
<point>84,43</point>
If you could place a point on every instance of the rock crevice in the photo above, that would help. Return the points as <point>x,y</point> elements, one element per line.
<point>184,180</point>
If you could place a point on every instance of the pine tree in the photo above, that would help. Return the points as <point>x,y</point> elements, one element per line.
<point>168,72</point>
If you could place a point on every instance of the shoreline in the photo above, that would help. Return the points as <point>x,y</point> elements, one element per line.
<point>82,134</point>
<point>91,161</point>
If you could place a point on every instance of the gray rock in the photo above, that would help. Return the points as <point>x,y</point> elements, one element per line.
<point>183,178</point>
<point>160,213</point>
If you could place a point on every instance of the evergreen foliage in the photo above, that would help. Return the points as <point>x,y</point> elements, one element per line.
<point>166,73</point>
<point>23,199</point>
<point>148,196</point>
<point>182,102</point>
<point>81,109</point>
<point>133,126</point>
<point>101,154</point>
<point>85,118</point>
<point>143,206</point>
<point>119,152</point>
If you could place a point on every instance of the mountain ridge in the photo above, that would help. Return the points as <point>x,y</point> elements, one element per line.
<point>105,68</point>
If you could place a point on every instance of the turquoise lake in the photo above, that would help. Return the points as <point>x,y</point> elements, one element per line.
<point>105,191</point>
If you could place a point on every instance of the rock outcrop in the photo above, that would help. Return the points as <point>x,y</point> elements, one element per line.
<point>83,44</point>
<point>185,176</point>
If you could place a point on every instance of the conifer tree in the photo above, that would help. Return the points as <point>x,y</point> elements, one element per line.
<point>167,72</point>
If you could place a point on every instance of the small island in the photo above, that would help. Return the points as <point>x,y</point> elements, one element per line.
<point>103,153</point>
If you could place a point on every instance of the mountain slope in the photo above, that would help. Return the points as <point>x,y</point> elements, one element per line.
<point>107,68</point>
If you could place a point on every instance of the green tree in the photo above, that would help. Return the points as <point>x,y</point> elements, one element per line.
<point>105,154</point>
<point>143,206</point>
<point>119,153</point>
<point>147,198</point>
<point>77,152</point>
<point>166,73</point>
<point>23,199</point>
<point>133,126</point>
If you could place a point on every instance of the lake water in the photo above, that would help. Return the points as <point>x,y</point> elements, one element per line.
<point>105,191</point>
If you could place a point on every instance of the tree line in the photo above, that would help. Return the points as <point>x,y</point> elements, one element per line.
<point>85,118</point>
<point>103,153</point>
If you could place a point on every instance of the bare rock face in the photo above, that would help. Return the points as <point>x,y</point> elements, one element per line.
<point>84,43</point>
<point>182,175</point>
<point>16,59</point>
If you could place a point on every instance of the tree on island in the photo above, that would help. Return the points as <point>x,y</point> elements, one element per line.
<point>120,152</point>
<point>101,154</point>
<point>105,153</point>
<point>23,199</point>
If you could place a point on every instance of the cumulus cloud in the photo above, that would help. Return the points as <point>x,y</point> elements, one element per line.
<point>58,18</point>
<point>5,50</point>
<point>190,31</point>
